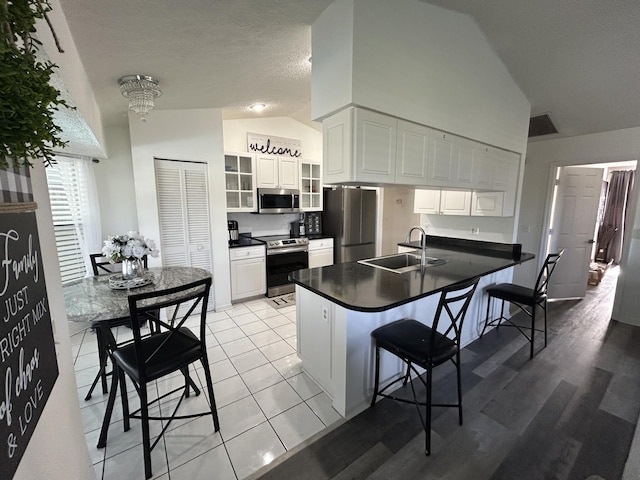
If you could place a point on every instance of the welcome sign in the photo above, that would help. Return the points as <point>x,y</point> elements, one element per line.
<point>28,366</point>
<point>273,145</point>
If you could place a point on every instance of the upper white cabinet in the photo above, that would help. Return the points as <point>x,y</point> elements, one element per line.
<point>455,202</point>
<point>445,155</point>
<point>412,153</point>
<point>375,147</point>
<point>239,172</point>
<point>277,172</point>
<point>310,186</point>
<point>506,179</point>
<point>370,148</point>
<point>442,202</point>
<point>426,200</point>
<point>365,147</point>
<point>487,204</point>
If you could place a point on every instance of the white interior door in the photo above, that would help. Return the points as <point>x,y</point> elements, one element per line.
<point>574,225</point>
<point>183,208</point>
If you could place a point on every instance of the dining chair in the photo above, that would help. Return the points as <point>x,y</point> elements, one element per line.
<point>526,299</point>
<point>416,343</point>
<point>101,266</point>
<point>149,356</point>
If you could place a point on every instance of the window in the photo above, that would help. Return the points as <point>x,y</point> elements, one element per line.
<point>74,212</point>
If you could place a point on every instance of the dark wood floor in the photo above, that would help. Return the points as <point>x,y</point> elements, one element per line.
<point>569,413</point>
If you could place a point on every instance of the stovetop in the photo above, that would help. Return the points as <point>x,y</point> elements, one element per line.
<point>281,241</point>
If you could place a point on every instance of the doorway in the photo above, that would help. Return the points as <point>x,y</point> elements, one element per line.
<point>581,230</point>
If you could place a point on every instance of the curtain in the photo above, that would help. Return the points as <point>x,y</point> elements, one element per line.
<point>612,228</point>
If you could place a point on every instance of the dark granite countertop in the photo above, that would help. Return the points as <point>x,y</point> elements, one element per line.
<point>319,236</point>
<point>368,289</point>
<point>245,240</point>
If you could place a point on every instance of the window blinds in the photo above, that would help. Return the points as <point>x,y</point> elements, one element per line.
<point>68,196</point>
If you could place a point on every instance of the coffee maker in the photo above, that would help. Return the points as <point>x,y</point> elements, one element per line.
<point>234,235</point>
<point>297,227</point>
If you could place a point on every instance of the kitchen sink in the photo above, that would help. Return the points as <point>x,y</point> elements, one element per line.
<point>401,262</point>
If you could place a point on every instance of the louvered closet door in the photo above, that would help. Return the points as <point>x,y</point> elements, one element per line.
<point>183,208</point>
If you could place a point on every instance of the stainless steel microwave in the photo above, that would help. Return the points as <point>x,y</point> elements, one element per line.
<point>277,200</point>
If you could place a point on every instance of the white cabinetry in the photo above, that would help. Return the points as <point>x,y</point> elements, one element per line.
<point>487,204</point>
<point>442,202</point>
<point>320,252</point>
<point>370,148</point>
<point>506,179</point>
<point>310,186</point>
<point>239,172</point>
<point>445,154</point>
<point>375,147</point>
<point>426,200</point>
<point>455,202</point>
<point>248,272</point>
<point>277,172</point>
<point>361,146</point>
<point>412,153</point>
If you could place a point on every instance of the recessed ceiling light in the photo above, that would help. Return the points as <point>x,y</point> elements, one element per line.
<point>258,107</point>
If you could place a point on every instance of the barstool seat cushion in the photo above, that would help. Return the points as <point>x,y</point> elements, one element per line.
<point>409,339</point>
<point>515,293</point>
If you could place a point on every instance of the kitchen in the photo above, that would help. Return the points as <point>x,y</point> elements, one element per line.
<point>164,136</point>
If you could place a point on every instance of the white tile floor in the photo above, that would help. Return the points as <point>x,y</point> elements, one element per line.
<point>266,404</point>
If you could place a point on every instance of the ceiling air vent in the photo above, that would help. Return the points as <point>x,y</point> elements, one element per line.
<point>541,125</point>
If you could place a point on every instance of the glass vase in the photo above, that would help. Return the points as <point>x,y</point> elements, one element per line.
<point>132,268</point>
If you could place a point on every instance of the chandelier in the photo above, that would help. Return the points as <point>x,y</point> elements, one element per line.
<point>140,90</point>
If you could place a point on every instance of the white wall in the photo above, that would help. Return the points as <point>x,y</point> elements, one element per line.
<point>194,135</point>
<point>397,217</point>
<point>419,62</point>
<point>235,134</point>
<point>57,450</point>
<point>542,158</point>
<point>492,229</point>
<point>114,179</point>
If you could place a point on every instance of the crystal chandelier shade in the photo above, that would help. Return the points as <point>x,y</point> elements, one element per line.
<point>141,91</point>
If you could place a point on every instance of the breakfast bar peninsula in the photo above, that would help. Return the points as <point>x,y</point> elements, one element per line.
<point>338,306</point>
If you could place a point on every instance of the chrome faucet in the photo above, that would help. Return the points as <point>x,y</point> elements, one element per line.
<point>423,243</point>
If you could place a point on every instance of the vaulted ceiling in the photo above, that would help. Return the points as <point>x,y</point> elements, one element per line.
<point>579,61</point>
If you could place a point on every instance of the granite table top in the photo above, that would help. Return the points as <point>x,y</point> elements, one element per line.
<point>364,288</point>
<point>93,299</point>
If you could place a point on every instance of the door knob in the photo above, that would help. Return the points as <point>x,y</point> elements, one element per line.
<point>591,241</point>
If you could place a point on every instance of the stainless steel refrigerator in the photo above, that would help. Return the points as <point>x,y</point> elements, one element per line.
<point>349,215</point>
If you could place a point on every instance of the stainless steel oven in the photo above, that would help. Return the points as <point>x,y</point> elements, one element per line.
<point>284,255</point>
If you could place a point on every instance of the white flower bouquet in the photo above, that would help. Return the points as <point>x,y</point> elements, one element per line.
<point>130,246</point>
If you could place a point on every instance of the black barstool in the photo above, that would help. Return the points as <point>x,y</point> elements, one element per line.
<point>523,297</point>
<point>426,346</point>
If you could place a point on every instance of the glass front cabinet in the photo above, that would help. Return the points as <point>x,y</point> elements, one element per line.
<point>310,186</point>
<point>239,171</point>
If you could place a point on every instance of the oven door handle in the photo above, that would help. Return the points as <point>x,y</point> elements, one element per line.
<point>282,251</point>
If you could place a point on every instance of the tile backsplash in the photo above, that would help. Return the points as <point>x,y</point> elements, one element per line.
<point>264,224</point>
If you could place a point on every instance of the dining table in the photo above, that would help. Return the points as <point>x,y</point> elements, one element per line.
<point>105,297</point>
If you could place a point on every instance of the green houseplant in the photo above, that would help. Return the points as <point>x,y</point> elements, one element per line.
<point>27,100</point>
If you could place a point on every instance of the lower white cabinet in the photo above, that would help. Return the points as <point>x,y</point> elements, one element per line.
<point>320,252</point>
<point>248,272</point>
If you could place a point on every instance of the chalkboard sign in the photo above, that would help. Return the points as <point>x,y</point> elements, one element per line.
<point>28,365</point>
